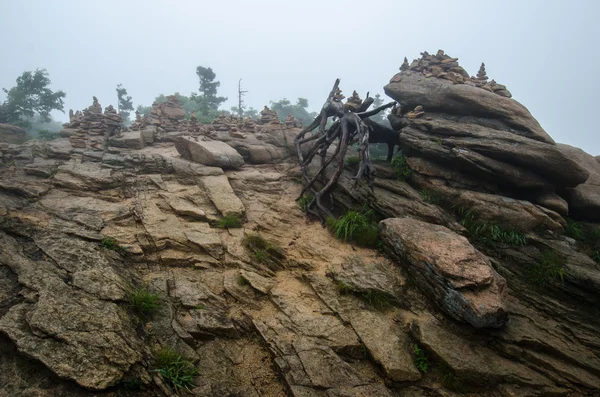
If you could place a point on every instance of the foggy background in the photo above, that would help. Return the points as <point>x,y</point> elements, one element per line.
<point>545,52</point>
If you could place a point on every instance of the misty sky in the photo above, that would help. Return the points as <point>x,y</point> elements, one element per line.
<point>545,52</point>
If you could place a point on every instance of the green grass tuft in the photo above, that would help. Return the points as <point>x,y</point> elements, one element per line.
<point>132,384</point>
<point>401,168</point>
<point>357,226</point>
<point>420,358</point>
<point>229,221</point>
<point>548,269</point>
<point>178,372</point>
<point>429,197</point>
<point>241,281</point>
<point>487,232</point>
<point>575,230</point>
<point>352,160</point>
<point>264,252</point>
<point>305,200</point>
<point>111,243</point>
<point>449,379</point>
<point>142,301</point>
<point>376,299</point>
<point>596,256</point>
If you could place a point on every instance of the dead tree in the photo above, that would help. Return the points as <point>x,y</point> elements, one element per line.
<point>241,93</point>
<point>348,127</point>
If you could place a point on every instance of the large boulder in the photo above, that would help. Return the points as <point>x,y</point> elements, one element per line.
<point>443,96</point>
<point>12,134</point>
<point>208,152</point>
<point>127,140</point>
<point>448,269</point>
<point>584,200</point>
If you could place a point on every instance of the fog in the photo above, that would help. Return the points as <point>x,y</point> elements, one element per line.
<point>545,52</point>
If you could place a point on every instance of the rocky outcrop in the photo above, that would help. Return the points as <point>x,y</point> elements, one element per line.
<point>460,279</point>
<point>475,138</point>
<point>584,200</point>
<point>427,313</point>
<point>12,134</point>
<point>442,96</point>
<point>71,320</point>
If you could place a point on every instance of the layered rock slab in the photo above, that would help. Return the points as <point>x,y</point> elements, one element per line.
<point>493,153</point>
<point>413,89</point>
<point>584,199</point>
<point>449,270</point>
<point>208,152</point>
<point>387,344</point>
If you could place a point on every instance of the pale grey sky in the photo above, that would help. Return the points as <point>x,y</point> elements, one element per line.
<point>545,52</point>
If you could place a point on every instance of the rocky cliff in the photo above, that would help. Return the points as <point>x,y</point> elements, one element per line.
<point>481,285</point>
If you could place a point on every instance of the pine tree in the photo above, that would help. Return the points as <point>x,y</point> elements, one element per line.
<point>208,90</point>
<point>124,103</point>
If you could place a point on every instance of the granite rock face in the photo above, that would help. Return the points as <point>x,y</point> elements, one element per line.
<point>449,270</point>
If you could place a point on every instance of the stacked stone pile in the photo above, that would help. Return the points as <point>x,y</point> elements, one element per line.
<point>292,122</point>
<point>353,103</point>
<point>91,127</point>
<point>268,116</point>
<point>443,66</point>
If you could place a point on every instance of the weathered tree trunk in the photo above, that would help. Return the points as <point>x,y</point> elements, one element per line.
<point>344,131</point>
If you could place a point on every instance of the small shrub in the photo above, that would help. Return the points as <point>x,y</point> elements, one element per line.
<point>178,372</point>
<point>46,135</point>
<point>111,243</point>
<point>596,256</point>
<point>229,221</point>
<point>305,200</point>
<point>380,246</point>
<point>420,359</point>
<point>264,252</point>
<point>357,226</point>
<point>400,167</point>
<point>241,280</point>
<point>142,301</point>
<point>352,160</point>
<point>430,198</point>
<point>548,269</point>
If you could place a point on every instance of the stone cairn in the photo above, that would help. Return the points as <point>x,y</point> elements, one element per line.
<point>92,126</point>
<point>236,127</point>
<point>443,66</point>
<point>291,122</point>
<point>240,128</point>
<point>353,102</point>
<point>168,116</point>
<point>268,116</point>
